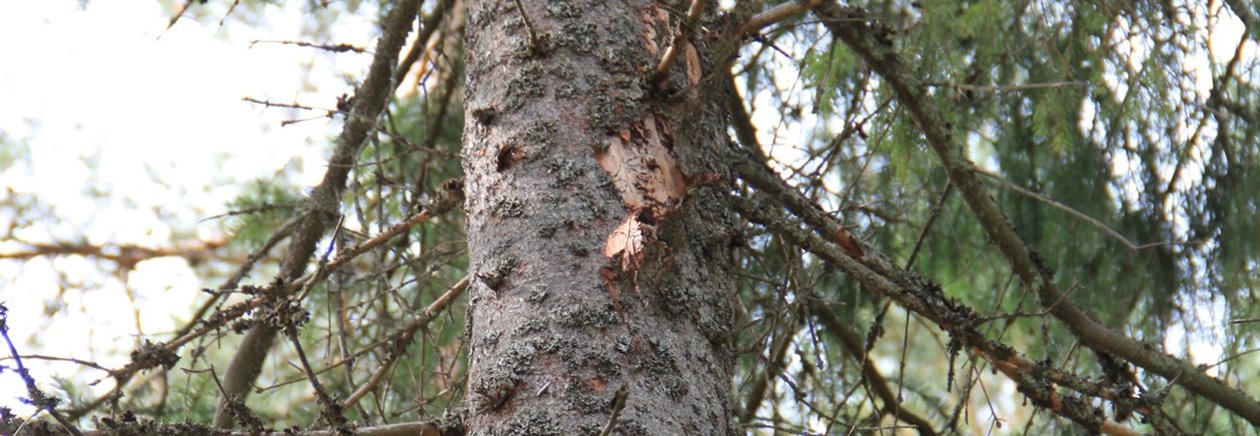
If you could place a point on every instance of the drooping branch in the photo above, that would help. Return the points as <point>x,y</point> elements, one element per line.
<point>835,245</point>
<point>446,201</point>
<point>1063,207</point>
<point>774,363</point>
<point>870,41</point>
<point>877,273</point>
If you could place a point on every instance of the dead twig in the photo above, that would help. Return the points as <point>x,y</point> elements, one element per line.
<point>37,397</point>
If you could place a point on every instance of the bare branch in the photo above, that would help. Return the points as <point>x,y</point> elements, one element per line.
<point>34,394</point>
<point>854,348</point>
<point>534,42</point>
<point>877,273</point>
<point>404,339</point>
<point>335,48</point>
<point>777,14</point>
<point>322,206</point>
<point>683,36</point>
<point>1006,88</point>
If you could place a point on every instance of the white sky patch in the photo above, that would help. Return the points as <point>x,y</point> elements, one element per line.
<point>1225,35</point>
<point>132,139</point>
<point>1199,346</point>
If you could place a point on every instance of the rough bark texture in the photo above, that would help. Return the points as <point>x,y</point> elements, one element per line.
<point>599,240</point>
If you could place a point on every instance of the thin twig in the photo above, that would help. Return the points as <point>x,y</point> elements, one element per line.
<point>428,25</point>
<point>1006,88</point>
<point>872,43</point>
<point>336,48</point>
<point>36,396</point>
<point>250,210</point>
<point>927,227</point>
<point>619,402</point>
<point>875,381</point>
<point>349,359</point>
<point>349,254</point>
<point>1021,314</point>
<point>404,339</point>
<point>268,103</point>
<point>88,364</point>
<point>369,101</point>
<point>332,265</point>
<point>227,14</point>
<point>1057,205</point>
<point>176,17</point>
<point>1227,359</point>
<point>913,293</point>
<point>321,269</point>
<point>327,410</point>
<point>534,43</point>
<point>241,272</point>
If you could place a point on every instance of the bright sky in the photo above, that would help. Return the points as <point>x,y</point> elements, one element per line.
<point>158,128</point>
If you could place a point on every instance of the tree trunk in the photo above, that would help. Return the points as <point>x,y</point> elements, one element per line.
<point>599,240</point>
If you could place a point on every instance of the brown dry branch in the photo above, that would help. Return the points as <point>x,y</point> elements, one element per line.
<point>335,48</point>
<point>126,256</point>
<point>878,273</point>
<point>947,314</point>
<point>404,339</point>
<point>142,426</point>
<point>876,267</point>
<point>777,14</point>
<point>323,204</point>
<point>270,104</point>
<point>619,402</point>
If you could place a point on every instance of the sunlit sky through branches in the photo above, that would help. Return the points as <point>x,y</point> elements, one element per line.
<point>131,134</point>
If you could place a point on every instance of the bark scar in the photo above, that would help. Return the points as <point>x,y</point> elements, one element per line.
<point>650,181</point>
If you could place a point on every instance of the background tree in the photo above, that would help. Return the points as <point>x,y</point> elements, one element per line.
<point>692,217</point>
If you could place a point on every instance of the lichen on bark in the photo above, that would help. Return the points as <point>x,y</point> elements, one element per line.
<point>578,146</point>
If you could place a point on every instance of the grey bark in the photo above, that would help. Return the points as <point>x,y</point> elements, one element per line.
<point>556,327</point>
